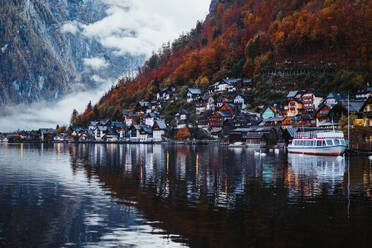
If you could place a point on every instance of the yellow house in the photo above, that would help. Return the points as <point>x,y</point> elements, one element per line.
<point>367,113</point>
<point>294,108</point>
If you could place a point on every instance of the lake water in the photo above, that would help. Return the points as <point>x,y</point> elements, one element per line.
<point>113,195</point>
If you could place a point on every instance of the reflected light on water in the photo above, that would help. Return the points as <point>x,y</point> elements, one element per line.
<point>109,195</point>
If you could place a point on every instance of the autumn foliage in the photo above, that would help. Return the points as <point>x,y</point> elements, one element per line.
<point>242,37</point>
<point>183,133</point>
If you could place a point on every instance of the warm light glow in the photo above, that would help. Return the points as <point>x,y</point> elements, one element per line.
<point>21,150</point>
<point>197,164</point>
<point>167,162</point>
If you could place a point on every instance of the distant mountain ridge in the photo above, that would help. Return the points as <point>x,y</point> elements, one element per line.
<point>42,59</point>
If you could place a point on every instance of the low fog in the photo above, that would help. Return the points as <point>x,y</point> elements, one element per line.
<point>48,115</point>
<point>152,23</point>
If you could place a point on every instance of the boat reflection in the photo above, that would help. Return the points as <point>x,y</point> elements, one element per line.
<point>309,175</point>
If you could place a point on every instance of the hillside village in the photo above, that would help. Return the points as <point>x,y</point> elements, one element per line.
<point>222,111</point>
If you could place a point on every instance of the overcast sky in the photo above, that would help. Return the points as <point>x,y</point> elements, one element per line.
<point>142,26</point>
<point>131,26</point>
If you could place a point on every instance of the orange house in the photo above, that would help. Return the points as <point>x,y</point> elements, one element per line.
<point>295,107</point>
<point>322,113</point>
<point>227,108</point>
<point>288,122</point>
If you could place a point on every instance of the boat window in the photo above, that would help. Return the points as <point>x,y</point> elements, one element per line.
<point>308,143</point>
<point>323,143</point>
<point>319,143</point>
<point>297,143</point>
<point>329,142</point>
<point>337,142</point>
<point>301,142</point>
<point>312,143</point>
<point>342,142</point>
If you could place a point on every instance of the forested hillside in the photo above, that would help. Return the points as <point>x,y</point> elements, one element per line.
<point>281,44</point>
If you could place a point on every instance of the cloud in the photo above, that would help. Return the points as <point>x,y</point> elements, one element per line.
<point>142,26</point>
<point>70,27</point>
<point>46,115</point>
<point>95,63</point>
<point>136,27</point>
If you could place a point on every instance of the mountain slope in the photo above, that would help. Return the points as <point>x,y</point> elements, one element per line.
<point>43,56</point>
<point>323,44</point>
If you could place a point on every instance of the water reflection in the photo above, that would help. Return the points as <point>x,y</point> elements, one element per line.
<point>308,175</point>
<point>112,195</point>
<point>48,200</point>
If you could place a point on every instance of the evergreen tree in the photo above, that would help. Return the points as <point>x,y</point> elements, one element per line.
<point>74,116</point>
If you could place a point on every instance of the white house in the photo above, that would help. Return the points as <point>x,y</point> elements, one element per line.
<point>141,133</point>
<point>200,108</point>
<point>99,132</point>
<point>129,118</point>
<point>311,100</point>
<point>182,118</point>
<point>165,94</point>
<point>150,118</point>
<point>211,103</point>
<point>193,94</point>
<point>158,130</point>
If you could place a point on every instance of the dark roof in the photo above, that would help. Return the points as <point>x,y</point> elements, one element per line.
<point>305,117</point>
<point>292,131</point>
<point>47,130</point>
<point>337,96</point>
<point>214,84</point>
<point>143,103</point>
<point>355,106</point>
<point>111,131</point>
<point>232,80</point>
<point>104,122</point>
<point>255,129</point>
<point>275,119</point>
<point>184,111</point>
<point>195,91</point>
<point>102,128</point>
<point>151,115</point>
<point>292,94</point>
<point>128,114</point>
<point>224,114</point>
<point>78,129</point>
<point>161,124</point>
<point>118,124</point>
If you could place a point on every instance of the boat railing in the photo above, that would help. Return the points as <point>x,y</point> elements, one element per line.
<point>316,134</point>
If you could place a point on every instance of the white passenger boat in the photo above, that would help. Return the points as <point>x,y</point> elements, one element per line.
<point>318,142</point>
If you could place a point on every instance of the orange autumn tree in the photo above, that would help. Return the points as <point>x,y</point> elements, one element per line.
<point>183,133</point>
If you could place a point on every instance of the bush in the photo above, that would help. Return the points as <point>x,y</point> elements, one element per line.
<point>183,133</point>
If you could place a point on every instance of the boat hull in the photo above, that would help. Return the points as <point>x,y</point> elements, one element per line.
<point>323,151</point>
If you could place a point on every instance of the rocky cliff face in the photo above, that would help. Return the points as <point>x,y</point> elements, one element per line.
<point>44,56</point>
